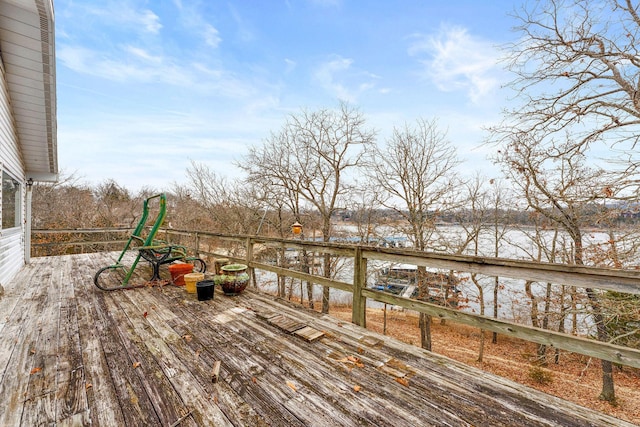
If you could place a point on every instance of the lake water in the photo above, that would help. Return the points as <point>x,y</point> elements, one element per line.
<point>514,304</point>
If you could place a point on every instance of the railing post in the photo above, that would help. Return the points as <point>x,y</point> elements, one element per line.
<point>359,305</point>
<point>197,244</point>
<point>249,259</point>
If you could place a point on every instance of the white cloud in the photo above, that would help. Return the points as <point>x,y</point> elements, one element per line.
<point>211,36</point>
<point>326,75</point>
<point>158,145</point>
<point>192,20</point>
<point>244,30</point>
<point>86,61</point>
<point>143,54</point>
<point>338,77</point>
<point>149,20</point>
<point>143,67</point>
<point>455,60</point>
<point>290,65</point>
<point>124,13</point>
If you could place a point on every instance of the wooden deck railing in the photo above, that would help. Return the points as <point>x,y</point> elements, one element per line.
<point>242,248</point>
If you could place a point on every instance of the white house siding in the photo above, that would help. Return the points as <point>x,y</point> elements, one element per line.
<point>11,254</point>
<point>11,240</point>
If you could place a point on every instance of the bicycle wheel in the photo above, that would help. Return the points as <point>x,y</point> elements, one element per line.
<point>110,278</point>
<point>199,265</point>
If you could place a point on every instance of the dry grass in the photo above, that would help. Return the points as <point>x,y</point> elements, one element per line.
<point>575,378</point>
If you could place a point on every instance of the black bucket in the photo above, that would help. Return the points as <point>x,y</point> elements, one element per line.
<point>205,290</point>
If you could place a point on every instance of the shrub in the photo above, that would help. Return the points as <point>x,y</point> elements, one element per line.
<point>540,375</point>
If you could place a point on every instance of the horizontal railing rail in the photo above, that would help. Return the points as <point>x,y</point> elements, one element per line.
<point>75,240</point>
<point>244,248</point>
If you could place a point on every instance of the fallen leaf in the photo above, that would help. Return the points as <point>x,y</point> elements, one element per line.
<point>187,338</point>
<point>353,359</point>
<point>87,386</point>
<point>35,371</point>
<point>403,381</point>
<point>360,350</point>
<point>145,314</point>
<point>292,386</point>
<point>254,380</point>
<point>357,388</point>
<point>33,351</point>
<point>136,365</point>
<point>215,399</point>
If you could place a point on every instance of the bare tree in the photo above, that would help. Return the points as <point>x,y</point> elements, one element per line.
<point>230,206</point>
<point>71,204</point>
<point>498,196</point>
<point>556,183</point>
<point>483,221</point>
<point>272,172</point>
<point>578,71</point>
<point>416,175</point>
<point>365,215</point>
<point>116,206</point>
<point>311,157</point>
<point>63,204</point>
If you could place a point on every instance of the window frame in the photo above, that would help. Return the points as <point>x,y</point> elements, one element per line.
<point>17,209</point>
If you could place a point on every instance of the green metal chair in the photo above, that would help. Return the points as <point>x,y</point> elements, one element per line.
<point>157,253</point>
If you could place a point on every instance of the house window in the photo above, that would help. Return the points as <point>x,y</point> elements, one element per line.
<point>10,202</point>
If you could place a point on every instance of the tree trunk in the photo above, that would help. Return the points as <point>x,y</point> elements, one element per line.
<point>481,302</point>
<point>535,321</point>
<point>482,312</point>
<point>542,348</point>
<point>496,285</point>
<point>281,286</point>
<point>574,310</point>
<point>310,295</point>
<point>608,391</point>
<point>563,318</point>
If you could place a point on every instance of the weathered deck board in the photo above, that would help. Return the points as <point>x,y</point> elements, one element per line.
<point>71,354</point>
<point>103,406</point>
<point>469,388</point>
<point>39,406</point>
<point>71,397</point>
<point>20,337</point>
<point>378,372</point>
<point>157,361</point>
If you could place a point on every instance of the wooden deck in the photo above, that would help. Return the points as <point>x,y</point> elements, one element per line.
<point>71,354</point>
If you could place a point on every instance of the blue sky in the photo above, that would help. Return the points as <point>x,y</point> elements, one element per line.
<point>145,87</point>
